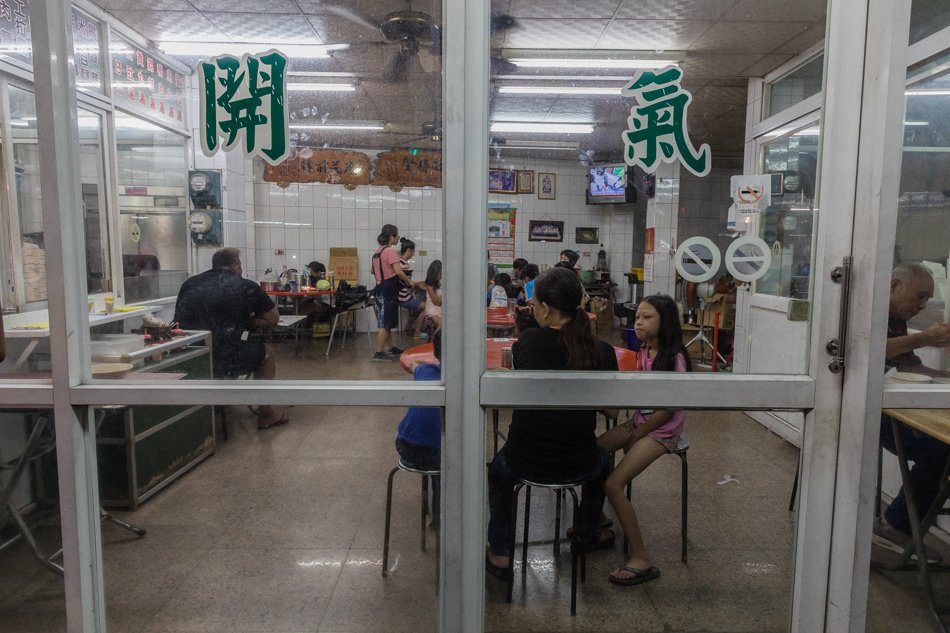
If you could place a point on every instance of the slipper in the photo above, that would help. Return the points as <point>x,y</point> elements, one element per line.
<point>639,576</point>
<point>282,420</point>
<point>501,573</point>
<point>598,543</point>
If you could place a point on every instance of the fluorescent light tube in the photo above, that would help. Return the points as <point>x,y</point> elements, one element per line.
<point>535,62</point>
<point>543,148</point>
<point>212,49</point>
<point>927,93</point>
<point>560,90</point>
<point>339,126</point>
<point>321,87</point>
<point>550,128</point>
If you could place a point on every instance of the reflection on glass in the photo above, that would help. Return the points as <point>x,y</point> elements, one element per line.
<point>787,224</point>
<point>95,217</point>
<point>152,207</point>
<point>918,336</point>
<point>26,165</point>
<point>794,88</point>
<point>33,597</point>
<point>927,17</point>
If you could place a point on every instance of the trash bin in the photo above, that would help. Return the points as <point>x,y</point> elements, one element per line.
<point>630,339</point>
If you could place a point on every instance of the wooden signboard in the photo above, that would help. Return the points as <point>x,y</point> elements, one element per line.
<point>403,168</point>
<point>334,166</point>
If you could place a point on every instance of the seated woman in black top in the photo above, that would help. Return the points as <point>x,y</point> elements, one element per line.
<point>552,445</point>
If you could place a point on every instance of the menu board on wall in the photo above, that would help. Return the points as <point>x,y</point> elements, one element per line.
<point>144,83</point>
<point>501,234</point>
<point>15,31</point>
<point>335,166</point>
<point>409,168</point>
<point>15,43</point>
<point>86,51</point>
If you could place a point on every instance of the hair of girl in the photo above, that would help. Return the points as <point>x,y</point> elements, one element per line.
<point>670,335</point>
<point>561,289</point>
<point>530,271</point>
<point>432,274</point>
<point>388,231</point>
<point>405,244</point>
<point>502,279</point>
<point>437,344</point>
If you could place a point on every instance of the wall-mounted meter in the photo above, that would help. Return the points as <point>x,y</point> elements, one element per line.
<point>204,187</point>
<point>205,227</point>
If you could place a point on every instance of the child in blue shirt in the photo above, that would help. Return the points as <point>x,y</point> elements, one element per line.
<point>419,438</point>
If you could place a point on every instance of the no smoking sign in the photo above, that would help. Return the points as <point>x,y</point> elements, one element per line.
<point>698,258</point>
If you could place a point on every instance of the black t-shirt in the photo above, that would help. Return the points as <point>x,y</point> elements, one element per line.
<point>552,443</point>
<point>224,303</point>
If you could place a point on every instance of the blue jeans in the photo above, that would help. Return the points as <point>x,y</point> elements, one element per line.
<point>501,484</point>
<point>424,458</point>
<point>929,456</point>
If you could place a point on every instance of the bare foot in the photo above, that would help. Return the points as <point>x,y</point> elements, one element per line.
<point>498,561</point>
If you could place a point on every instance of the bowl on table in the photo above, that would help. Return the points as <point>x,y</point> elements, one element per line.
<point>110,370</point>
<point>908,377</point>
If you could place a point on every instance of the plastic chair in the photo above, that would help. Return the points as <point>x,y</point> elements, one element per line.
<point>576,552</point>
<point>682,446</point>
<point>400,465</point>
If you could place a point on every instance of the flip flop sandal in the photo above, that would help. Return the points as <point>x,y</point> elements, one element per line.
<point>282,420</point>
<point>639,576</point>
<point>501,573</point>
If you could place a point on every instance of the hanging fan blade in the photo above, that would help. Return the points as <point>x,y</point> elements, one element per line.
<point>341,9</point>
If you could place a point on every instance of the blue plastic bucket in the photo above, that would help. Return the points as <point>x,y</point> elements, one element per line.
<point>630,339</point>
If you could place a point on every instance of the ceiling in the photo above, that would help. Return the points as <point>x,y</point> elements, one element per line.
<point>725,42</point>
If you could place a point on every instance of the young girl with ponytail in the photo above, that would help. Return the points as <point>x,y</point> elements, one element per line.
<point>552,445</point>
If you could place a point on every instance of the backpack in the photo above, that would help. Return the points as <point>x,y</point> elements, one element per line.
<point>347,296</point>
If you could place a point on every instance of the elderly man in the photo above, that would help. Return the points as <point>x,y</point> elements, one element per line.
<point>911,287</point>
<point>222,301</point>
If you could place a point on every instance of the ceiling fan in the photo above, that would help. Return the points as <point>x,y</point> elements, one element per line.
<point>415,32</point>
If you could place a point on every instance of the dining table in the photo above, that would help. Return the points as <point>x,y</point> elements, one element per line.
<point>934,423</point>
<point>307,292</point>
<point>626,361</point>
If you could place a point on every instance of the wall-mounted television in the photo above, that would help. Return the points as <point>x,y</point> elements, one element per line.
<point>607,184</point>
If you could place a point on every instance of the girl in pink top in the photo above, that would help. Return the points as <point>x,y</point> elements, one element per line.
<point>648,434</point>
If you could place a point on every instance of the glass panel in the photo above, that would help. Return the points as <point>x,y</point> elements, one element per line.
<point>86,43</point>
<point>26,165</point>
<point>239,544</point>
<point>15,44</point>
<point>918,335</point>
<point>787,224</point>
<point>32,596</point>
<point>794,87</point>
<point>926,18</point>
<point>95,212</point>
<point>152,208</point>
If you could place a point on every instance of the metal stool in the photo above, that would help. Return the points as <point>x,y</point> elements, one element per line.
<point>682,445</point>
<point>369,302</point>
<point>558,488</point>
<point>400,465</point>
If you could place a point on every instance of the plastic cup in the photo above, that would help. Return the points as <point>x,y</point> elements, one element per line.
<point>110,304</point>
<point>92,304</point>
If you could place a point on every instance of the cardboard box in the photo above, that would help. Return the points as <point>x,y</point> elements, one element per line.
<point>345,264</point>
<point>725,307</point>
<point>604,309</point>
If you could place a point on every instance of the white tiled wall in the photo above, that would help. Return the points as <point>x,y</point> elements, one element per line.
<point>305,220</point>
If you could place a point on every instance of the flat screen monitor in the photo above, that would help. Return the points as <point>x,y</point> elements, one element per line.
<point>607,184</point>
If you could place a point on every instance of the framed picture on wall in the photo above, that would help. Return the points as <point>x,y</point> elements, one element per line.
<point>587,235</point>
<point>547,186</point>
<point>502,181</point>
<point>525,181</point>
<point>545,231</point>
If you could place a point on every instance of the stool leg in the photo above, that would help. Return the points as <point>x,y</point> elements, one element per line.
<point>878,510</point>
<point>524,541</point>
<point>791,501</point>
<point>512,530</point>
<point>389,511</point>
<point>425,511</point>
<point>557,526</point>
<point>332,332</point>
<point>574,553</point>
<point>685,500</point>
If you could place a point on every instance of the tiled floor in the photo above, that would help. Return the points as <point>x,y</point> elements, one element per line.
<point>282,531</point>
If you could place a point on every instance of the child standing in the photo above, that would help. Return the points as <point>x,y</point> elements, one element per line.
<point>648,434</point>
<point>419,438</point>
